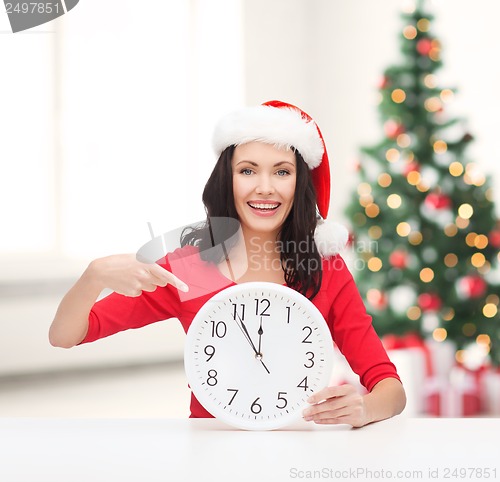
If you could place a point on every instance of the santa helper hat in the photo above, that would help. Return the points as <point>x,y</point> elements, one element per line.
<point>285,125</point>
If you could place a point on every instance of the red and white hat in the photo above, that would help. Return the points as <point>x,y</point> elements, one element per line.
<point>285,125</point>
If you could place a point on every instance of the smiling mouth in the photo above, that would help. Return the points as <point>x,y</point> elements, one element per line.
<point>264,207</point>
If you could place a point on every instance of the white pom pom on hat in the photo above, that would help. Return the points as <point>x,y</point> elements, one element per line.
<point>330,237</point>
<point>285,125</point>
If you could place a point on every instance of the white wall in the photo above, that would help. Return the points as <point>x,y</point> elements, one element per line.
<point>105,125</point>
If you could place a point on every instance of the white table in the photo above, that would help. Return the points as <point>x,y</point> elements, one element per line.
<point>147,450</point>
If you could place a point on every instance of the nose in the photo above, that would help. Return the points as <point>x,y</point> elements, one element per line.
<point>264,185</point>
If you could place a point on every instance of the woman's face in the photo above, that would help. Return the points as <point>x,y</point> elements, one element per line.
<point>263,186</point>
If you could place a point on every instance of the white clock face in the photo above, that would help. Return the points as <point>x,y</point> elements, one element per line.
<point>255,353</point>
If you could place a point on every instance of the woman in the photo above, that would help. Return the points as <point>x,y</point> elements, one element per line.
<point>272,175</point>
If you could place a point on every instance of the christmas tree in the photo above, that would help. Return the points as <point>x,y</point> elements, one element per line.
<point>424,226</point>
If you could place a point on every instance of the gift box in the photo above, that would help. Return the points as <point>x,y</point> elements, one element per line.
<point>490,391</point>
<point>411,357</point>
<point>458,396</point>
<point>442,357</point>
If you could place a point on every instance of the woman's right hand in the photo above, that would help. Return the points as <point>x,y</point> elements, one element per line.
<point>123,274</point>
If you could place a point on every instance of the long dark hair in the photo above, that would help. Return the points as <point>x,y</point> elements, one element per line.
<point>300,259</point>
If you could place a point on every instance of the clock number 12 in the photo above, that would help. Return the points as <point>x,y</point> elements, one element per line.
<point>263,301</point>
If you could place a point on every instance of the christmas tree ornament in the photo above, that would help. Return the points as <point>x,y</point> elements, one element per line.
<point>430,321</point>
<point>424,46</point>
<point>429,302</point>
<point>437,200</point>
<point>384,82</point>
<point>471,286</point>
<point>494,238</point>
<point>393,129</point>
<point>399,259</point>
<point>377,299</point>
<point>429,254</point>
<point>401,298</point>
<point>430,175</point>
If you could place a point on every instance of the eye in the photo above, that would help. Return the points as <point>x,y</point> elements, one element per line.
<point>246,171</point>
<point>283,172</point>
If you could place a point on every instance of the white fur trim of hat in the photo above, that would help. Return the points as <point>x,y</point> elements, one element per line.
<point>280,127</point>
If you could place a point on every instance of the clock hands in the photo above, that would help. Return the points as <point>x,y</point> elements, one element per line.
<point>260,332</point>
<point>243,328</point>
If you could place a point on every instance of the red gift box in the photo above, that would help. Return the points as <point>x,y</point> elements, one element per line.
<point>410,340</point>
<point>456,397</point>
<point>490,390</point>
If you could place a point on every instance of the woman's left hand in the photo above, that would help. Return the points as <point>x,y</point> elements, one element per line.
<point>334,405</point>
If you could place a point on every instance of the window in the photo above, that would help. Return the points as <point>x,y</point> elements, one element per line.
<point>106,123</point>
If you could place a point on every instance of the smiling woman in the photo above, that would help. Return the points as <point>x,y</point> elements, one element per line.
<point>272,176</point>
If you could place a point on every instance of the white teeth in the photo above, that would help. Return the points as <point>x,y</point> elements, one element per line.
<point>264,206</point>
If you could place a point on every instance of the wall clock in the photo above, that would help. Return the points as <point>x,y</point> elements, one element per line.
<point>254,354</point>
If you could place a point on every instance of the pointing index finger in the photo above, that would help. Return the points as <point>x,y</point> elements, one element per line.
<point>169,277</point>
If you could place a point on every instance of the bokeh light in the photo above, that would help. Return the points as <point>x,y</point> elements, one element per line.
<point>398,96</point>
<point>426,275</point>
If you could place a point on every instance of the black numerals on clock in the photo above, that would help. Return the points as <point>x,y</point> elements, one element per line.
<point>282,403</point>
<point>261,307</point>
<point>255,407</point>
<point>310,359</point>
<point>239,313</point>
<point>303,384</point>
<point>219,329</point>
<point>234,394</point>
<point>307,329</point>
<point>212,378</point>
<point>282,399</point>
<point>209,351</point>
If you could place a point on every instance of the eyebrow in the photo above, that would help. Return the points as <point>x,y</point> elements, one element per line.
<point>253,163</point>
